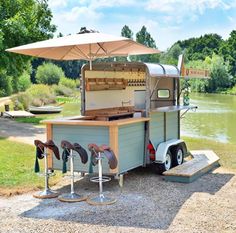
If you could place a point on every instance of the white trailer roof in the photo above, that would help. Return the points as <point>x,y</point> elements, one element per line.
<point>160,70</point>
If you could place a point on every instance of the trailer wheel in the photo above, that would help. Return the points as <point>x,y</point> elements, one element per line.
<point>178,155</point>
<point>162,167</point>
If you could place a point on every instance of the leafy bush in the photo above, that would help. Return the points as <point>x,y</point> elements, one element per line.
<point>24,82</point>
<point>220,77</point>
<point>5,84</point>
<point>61,90</point>
<point>198,85</point>
<point>231,91</point>
<point>67,82</point>
<point>21,101</point>
<point>41,94</point>
<point>49,73</point>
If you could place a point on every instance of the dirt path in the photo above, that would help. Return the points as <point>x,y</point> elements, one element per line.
<point>21,132</point>
<point>146,204</point>
<point>5,100</point>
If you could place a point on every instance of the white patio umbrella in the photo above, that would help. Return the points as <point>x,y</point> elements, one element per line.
<point>85,46</point>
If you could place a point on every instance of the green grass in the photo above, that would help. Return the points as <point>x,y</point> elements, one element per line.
<point>226,151</point>
<point>64,99</point>
<point>17,168</point>
<point>32,120</point>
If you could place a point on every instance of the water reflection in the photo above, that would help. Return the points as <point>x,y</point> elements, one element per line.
<point>214,119</point>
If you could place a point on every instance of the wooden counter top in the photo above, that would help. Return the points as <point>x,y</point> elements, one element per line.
<point>77,121</point>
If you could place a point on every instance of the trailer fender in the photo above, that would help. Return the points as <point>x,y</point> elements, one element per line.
<point>163,147</point>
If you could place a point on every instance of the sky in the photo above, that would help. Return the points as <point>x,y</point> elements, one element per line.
<point>166,20</point>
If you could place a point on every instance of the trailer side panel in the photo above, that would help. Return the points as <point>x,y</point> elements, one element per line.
<point>172,125</point>
<point>156,128</point>
<point>131,146</point>
<point>82,135</point>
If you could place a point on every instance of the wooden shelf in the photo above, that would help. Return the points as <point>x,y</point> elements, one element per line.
<point>100,84</point>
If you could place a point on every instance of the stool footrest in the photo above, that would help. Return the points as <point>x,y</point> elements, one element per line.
<point>50,174</point>
<point>97,179</point>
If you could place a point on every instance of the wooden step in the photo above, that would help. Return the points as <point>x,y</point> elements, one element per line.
<point>203,161</point>
<point>15,114</point>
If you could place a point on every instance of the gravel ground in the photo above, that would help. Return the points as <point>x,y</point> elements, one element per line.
<point>21,132</point>
<point>147,203</point>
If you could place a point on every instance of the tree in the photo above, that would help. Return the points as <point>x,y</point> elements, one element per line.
<point>220,77</point>
<point>172,55</point>
<point>5,83</point>
<point>145,38</point>
<point>126,32</point>
<point>228,51</point>
<point>49,73</point>
<point>24,81</point>
<point>22,22</point>
<point>201,47</point>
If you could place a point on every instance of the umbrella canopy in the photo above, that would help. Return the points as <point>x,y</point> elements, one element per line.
<point>85,46</point>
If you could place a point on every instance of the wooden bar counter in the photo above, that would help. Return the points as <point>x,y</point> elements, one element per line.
<point>126,137</point>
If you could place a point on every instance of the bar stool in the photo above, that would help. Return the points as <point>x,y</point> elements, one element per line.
<point>41,153</point>
<point>96,157</point>
<point>68,149</point>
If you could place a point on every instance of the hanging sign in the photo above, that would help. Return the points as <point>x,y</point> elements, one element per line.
<point>191,72</point>
<point>195,73</point>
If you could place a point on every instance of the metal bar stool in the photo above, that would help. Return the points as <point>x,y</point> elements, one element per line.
<point>41,153</point>
<point>68,149</point>
<point>96,156</point>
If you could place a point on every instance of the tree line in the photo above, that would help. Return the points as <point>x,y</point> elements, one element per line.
<point>27,21</point>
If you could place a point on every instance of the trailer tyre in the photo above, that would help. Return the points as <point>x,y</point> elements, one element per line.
<point>178,155</point>
<point>162,167</point>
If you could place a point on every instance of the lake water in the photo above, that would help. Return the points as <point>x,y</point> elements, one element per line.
<point>214,119</point>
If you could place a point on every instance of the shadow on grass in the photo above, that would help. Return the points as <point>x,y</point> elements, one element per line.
<point>146,201</point>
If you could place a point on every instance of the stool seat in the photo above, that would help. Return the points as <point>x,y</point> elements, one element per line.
<point>75,147</point>
<point>97,148</point>
<point>48,144</point>
<point>106,150</point>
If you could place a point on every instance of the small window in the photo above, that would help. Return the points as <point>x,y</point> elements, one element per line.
<point>165,94</point>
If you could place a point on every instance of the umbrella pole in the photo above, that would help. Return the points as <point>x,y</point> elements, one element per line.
<point>90,57</point>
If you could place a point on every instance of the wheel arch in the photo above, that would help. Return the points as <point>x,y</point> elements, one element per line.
<point>163,147</point>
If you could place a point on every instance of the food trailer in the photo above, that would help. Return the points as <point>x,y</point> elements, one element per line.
<point>134,108</point>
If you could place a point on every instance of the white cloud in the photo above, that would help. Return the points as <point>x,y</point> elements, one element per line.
<point>95,4</point>
<point>179,10</point>
<point>81,13</point>
<point>57,3</point>
<point>170,6</point>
